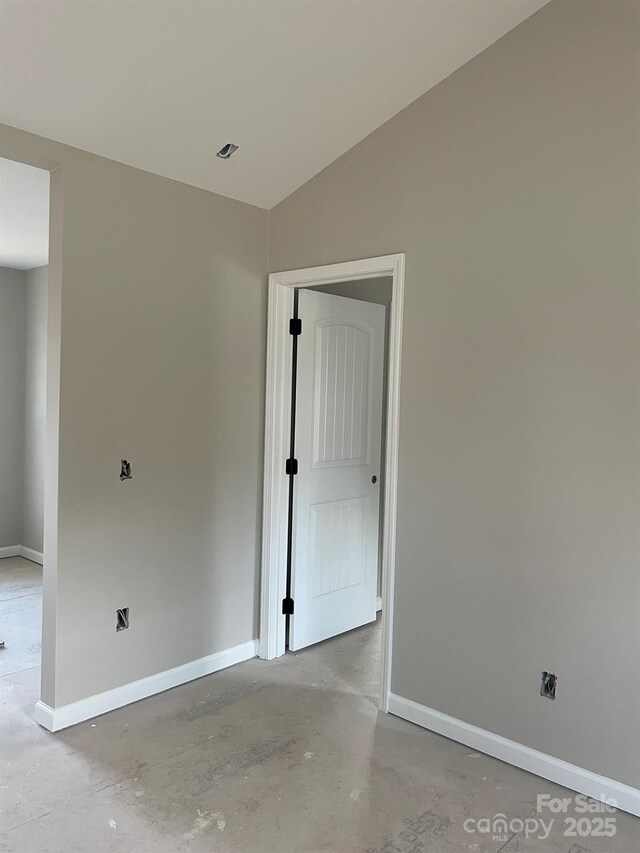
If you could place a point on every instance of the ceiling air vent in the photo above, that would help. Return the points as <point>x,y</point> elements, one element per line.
<point>227,150</point>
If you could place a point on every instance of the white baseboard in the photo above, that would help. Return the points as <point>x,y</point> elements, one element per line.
<point>30,554</point>
<point>55,719</point>
<point>573,777</point>
<point>9,551</point>
<point>21,551</point>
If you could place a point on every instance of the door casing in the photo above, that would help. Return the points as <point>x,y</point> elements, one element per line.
<point>276,447</point>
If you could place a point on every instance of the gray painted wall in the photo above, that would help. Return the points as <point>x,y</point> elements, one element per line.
<point>12,373</point>
<point>35,343</point>
<point>163,318</point>
<point>23,318</point>
<point>378,290</point>
<point>514,189</point>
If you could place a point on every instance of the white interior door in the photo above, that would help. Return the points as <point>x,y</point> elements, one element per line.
<point>334,560</point>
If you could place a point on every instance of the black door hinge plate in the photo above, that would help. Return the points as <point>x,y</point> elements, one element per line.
<point>291,466</point>
<point>295,326</point>
<point>287,606</point>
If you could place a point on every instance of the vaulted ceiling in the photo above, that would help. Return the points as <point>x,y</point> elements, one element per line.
<point>163,84</point>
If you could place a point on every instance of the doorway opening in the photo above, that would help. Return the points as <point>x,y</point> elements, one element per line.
<point>24,259</point>
<point>331,441</point>
<point>30,287</point>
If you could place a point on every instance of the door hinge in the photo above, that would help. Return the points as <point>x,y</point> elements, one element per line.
<point>287,606</point>
<point>291,467</point>
<point>295,326</point>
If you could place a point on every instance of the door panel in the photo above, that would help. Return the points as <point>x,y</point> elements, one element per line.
<point>337,552</point>
<point>338,438</point>
<point>341,405</point>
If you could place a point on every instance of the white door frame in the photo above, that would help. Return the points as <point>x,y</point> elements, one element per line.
<point>277,426</point>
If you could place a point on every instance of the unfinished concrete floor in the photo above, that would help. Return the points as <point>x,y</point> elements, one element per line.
<point>289,756</point>
<point>20,614</point>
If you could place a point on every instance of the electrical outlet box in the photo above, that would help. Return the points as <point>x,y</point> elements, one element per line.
<point>122,619</point>
<point>548,685</point>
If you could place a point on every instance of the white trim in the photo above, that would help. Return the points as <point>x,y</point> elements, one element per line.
<point>378,604</point>
<point>55,719</point>
<point>277,419</point>
<point>21,551</point>
<point>30,554</point>
<point>9,551</point>
<point>274,515</point>
<point>554,769</point>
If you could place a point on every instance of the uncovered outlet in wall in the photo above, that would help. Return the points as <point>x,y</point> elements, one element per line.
<point>548,685</point>
<point>122,619</point>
